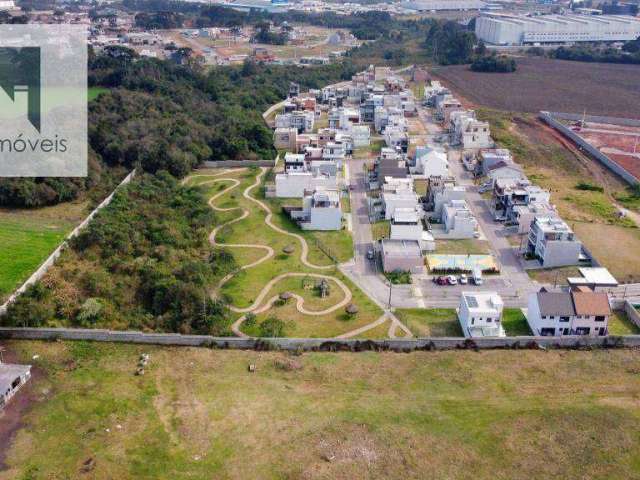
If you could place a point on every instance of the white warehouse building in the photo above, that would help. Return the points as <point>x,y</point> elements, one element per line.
<point>501,29</point>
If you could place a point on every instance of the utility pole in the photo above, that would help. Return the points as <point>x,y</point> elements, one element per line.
<point>390,287</point>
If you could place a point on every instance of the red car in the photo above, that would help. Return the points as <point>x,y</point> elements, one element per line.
<point>442,281</point>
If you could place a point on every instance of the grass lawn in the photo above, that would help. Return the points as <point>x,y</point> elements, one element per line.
<point>244,287</point>
<point>198,413</point>
<point>515,323</point>
<point>469,246</point>
<point>27,238</point>
<point>380,229</point>
<point>554,275</point>
<point>379,332</point>
<point>620,324</point>
<point>434,322</point>
<point>94,92</point>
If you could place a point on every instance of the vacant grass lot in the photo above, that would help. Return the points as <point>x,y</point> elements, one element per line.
<point>27,238</point>
<point>199,414</point>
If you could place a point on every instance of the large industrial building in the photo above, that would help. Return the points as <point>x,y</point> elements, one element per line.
<point>500,29</point>
<point>443,5</point>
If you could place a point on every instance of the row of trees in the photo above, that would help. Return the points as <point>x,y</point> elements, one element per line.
<point>630,53</point>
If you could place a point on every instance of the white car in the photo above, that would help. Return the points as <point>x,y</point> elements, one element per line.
<point>463,279</point>
<point>452,280</point>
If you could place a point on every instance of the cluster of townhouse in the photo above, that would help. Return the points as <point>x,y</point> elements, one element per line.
<point>314,157</point>
<point>583,308</point>
<point>515,200</point>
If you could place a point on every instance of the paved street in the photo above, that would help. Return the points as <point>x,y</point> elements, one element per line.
<point>513,283</point>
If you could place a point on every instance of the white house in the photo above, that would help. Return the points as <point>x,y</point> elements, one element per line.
<point>553,242</point>
<point>579,312</point>
<point>361,135</point>
<point>524,215</point>
<point>12,378</point>
<point>406,225</point>
<point>320,210</point>
<point>468,131</point>
<point>445,194</point>
<point>333,151</point>
<point>458,220</point>
<point>295,184</point>
<point>432,163</point>
<point>294,162</point>
<point>400,199</point>
<point>303,121</point>
<point>480,314</point>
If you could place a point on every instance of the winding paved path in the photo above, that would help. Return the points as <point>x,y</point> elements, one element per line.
<point>255,306</point>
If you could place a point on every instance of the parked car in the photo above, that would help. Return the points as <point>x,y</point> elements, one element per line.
<point>477,277</point>
<point>441,280</point>
<point>463,279</point>
<point>452,280</point>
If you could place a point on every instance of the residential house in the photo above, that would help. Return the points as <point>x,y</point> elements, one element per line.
<point>320,210</point>
<point>488,158</point>
<point>510,193</point>
<point>553,242</point>
<point>285,139</point>
<point>303,120</point>
<point>401,256</point>
<point>505,170</point>
<point>12,378</point>
<point>431,162</point>
<point>294,184</point>
<point>444,194</point>
<point>294,162</point>
<point>480,314</point>
<point>399,199</point>
<point>598,279</point>
<point>524,215</point>
<point>458,220</point>
<point>577,312</point>
<point>406,225</point>
<point>468,131</point>
<point>391,166</point>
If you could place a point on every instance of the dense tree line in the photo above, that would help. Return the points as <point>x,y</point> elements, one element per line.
<point>162,116</point>
<point>494,63</point>
<point>450,43</point>
<point>143,263</point>
<point>159,20</point>
<point>588,53</point>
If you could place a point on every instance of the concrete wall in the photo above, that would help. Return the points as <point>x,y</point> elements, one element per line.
<point>590,149</point>
<point>42,269</point>
<point>238,163</point>
<point>323,344</point>
<point>632,313</point>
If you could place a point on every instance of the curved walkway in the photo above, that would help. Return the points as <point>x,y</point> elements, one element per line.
<point>256,307</point>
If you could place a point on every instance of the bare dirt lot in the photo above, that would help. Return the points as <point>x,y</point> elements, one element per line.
<point>554,85</point>
<point>620,143</point>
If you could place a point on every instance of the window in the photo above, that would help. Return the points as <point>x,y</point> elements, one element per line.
<point>583,331</point>
<point>599,318</point>
<point>564,319</point>
<point>473,320</point>
<point>488,319</point>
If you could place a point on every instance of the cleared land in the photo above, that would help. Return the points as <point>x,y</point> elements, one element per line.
<point>27,238</point>
<point>620,143</point>
<point>554,85</point>
<point>198,413</point>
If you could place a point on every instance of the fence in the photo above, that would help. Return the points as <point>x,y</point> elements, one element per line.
<point>548,117</point>
<point>318,344</point>
<point>42,269</point>
<point>238,163</point>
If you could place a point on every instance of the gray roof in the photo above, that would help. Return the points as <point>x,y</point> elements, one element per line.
<point>555,304</point>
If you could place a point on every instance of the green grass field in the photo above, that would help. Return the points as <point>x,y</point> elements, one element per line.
<point>243,288</point>
<point>27,238</point>
<point>94,92</point>
<point>199,414</point>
